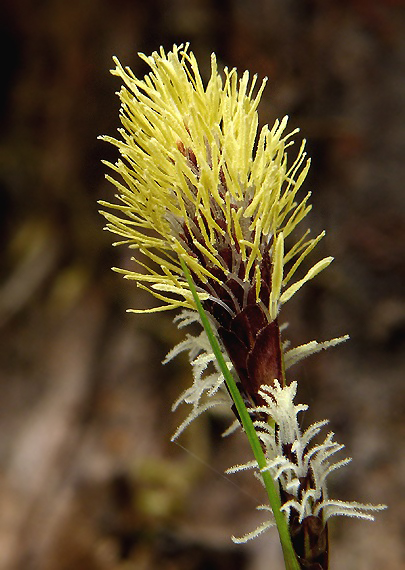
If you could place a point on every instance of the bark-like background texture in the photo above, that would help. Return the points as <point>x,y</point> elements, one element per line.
<point>89,479</point>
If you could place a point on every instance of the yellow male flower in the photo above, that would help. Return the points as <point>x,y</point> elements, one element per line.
<point>199,182</point>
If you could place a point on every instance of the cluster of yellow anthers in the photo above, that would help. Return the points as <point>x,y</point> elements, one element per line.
<point>199,182</point>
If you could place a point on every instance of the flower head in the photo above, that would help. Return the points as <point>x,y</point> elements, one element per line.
<point>198,181</point>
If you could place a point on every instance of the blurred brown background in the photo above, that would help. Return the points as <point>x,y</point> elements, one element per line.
<point>89,479</point>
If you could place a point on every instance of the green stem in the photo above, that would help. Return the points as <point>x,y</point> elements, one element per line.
<point>290,559</point>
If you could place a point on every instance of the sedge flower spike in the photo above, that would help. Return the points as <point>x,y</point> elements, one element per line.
<point>200,187</point>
